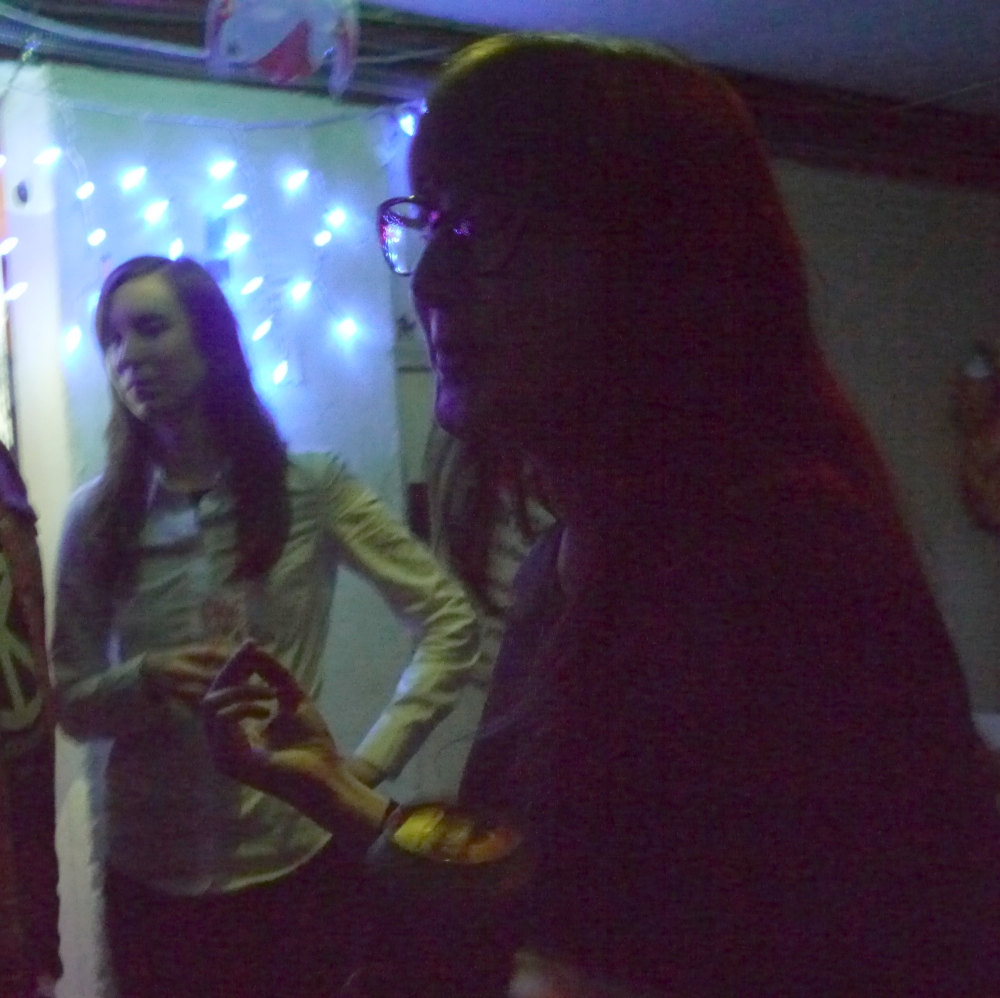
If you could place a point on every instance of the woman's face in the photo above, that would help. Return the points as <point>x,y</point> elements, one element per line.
<point>152,361</point>
<point>502,338</point>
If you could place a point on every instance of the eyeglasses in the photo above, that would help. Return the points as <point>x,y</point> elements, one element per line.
<point>488,232</point>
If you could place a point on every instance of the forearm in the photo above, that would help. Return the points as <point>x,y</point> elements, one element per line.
<point>342,798</point>
<point>106,704</point>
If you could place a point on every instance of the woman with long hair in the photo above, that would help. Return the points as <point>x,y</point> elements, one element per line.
<point>727,713</point>
<point>201,533</point>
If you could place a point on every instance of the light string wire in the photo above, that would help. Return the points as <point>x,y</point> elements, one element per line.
<point>271,300</point>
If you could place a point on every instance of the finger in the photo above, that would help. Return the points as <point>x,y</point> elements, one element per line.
<point>245,711</point>
<point>189,693</point>
<point>239,667</point>
<point>215,698</point>
<point>208,657</point>
<point>251,660</point>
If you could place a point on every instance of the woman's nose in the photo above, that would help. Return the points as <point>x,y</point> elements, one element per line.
<point>127,350</point>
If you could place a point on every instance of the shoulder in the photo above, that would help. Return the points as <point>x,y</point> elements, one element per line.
<point>82,504</point>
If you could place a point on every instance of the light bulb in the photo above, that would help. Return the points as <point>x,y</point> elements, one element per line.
<point>234,202</point>
<point>252,285</point>
<point>48,156</point>
<point>262,330</point>
<point>154,213</point>
<point>236,241</point>
<point>16,291</point>
<point>408,123</point>
<point>73,336</point>
<point>132,178</point>
<point>295,180</point>
<point>221,168</point>
<point>346,329</point>
<point>7,245</point>
<point>97,237</point>
<point>322,238</point>
<point>176,249</point>
<point>336,218</point>
<point>85,190</point>
<point>280,372</point>
<point>300,289</point>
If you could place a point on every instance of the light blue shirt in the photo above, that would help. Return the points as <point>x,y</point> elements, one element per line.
<point>173,821</point>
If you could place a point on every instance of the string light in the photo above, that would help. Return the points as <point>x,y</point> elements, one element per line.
<point>297,292</point>
<point>7,245</point>
<point>346,329</point>
<point>154,213</point>
<point>235,241</point>
<point>16,291</point>
<point>47,157</point>
<point>221,168</point>
<point>133,178</point>
<point>295,180</point>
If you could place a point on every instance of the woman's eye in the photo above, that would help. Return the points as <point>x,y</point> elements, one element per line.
<point>151,328</point>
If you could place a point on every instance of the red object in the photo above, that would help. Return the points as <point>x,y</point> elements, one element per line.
<point>289,60</point>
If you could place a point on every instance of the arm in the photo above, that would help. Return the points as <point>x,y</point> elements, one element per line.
<point>96,699</point>
<point>420,591</point>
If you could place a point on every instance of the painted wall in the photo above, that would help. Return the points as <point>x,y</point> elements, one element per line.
<point>907,278</point>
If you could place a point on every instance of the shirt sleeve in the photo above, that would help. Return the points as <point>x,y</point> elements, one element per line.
<point>95,699</point>
<point>420,591</point>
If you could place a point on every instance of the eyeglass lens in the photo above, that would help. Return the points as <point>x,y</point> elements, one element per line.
<point>403,231</point>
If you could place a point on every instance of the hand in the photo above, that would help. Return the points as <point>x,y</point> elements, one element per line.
<point>184,674</point>
<point>265,732</point>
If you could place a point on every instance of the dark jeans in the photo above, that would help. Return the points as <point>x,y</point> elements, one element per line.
<point>293,938</point>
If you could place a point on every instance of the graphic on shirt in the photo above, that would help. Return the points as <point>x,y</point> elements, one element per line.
<point>20,695</point>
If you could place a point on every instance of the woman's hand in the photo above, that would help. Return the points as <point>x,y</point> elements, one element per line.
<point>265,732</point>
<point>184,674</point>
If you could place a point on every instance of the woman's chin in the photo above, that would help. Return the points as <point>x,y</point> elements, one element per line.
<point>453,411</point>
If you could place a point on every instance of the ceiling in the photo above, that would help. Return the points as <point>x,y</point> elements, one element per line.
<point>921,52</point>
<point>940,51</point>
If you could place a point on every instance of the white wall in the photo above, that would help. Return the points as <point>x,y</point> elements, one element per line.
<point>907,279</point>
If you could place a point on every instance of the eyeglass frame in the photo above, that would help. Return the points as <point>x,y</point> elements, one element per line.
<point>463,229</point>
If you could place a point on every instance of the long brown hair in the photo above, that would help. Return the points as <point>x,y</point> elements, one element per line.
<point>242,426</point>
<point>703,363</point>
